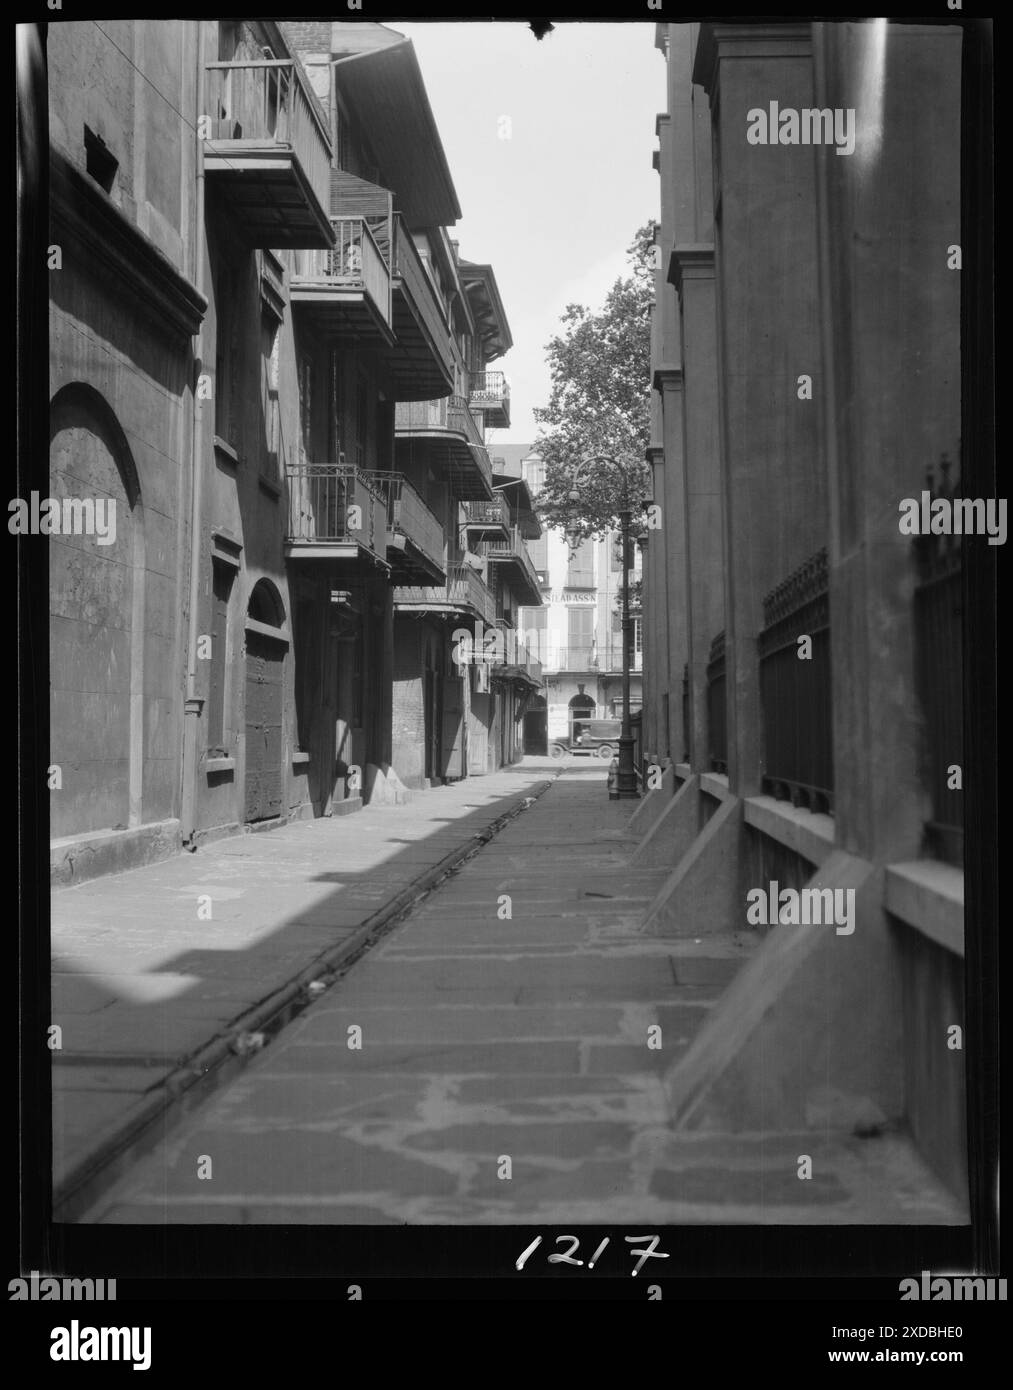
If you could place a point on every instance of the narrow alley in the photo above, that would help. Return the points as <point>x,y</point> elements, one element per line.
<point>501,1056</point>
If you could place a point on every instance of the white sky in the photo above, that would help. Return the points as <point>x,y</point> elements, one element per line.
<point>554,207</point>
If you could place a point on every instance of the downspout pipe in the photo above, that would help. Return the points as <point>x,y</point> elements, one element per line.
<point>194,703</point>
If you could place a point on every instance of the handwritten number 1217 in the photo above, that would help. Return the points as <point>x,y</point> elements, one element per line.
<point>567,1258</point>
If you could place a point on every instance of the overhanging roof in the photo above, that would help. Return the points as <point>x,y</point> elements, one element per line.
<point>520,497</point>
<point>487,307</point>
<point>522,508</point>
<point>385,91</point>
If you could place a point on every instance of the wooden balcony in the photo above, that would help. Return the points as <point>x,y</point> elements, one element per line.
<point>269,153</point>
<point>490,393</point>
<point>443,434</point>
<point>487,521</point>
<point>512,556</point>
<point>335,512</point>
<point>416,543</point>
<point>346,291</point>
<point>422,361</point>
<point>464,594</point>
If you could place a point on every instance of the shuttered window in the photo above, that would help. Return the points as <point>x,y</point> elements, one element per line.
<point>580,569</point>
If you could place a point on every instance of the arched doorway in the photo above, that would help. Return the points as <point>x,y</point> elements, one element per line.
<point>536,727</point>
<point>97,604</point>
<point>265,702</point>
<point>582,708</point>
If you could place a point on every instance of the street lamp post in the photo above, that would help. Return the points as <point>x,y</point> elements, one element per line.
<point>626,781</point>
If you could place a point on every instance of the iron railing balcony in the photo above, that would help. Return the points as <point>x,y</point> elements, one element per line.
<point>490,393</point>
<point>583,657</point>
<point>415,536</point>
<point>422,361</point>
<point>488,520</point>
<point>269,152</point>
<point>610,657</point>
<point>443,434</point>
<point>335,512</point>
<point>465,592</point>
<point>512,555</point>
<point>345,290</point>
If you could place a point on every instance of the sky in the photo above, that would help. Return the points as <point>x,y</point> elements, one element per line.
<point>554,206</point>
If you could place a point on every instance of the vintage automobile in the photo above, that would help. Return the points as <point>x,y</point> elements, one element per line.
<point>591,738</point>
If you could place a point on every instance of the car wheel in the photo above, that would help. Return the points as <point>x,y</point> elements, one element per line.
<point>605,751</point>
<point>556,751</point>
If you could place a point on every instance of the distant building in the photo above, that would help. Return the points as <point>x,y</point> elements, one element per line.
<point>578,628</point>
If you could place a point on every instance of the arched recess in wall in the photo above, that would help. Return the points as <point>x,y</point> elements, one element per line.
<point>97,619</point>
<point>267,643</point>
<point>582,702</point>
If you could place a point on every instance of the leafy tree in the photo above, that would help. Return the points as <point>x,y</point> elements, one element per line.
<point>600,403</point>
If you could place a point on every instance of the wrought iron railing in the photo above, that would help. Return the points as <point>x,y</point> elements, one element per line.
<point>447,413</point>
<point>335,504</point>
<point>488,388</point>
<point>408,514</point>
<point>265,100</point>
<point>795,694</point>
<point>610,654</point>
<point>354,262</point>
<point>938,618</point>
<point>717,706</point>
<point>494,513</point>
<point>579,657</point>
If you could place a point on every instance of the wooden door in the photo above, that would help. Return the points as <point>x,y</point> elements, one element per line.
<point>432,720</point>
<point>265,667</point>
<point>452,742</point>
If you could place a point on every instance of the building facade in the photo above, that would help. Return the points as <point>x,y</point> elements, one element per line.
<point>802,652</point>
<point>577,631</point>
<point>269,354</point>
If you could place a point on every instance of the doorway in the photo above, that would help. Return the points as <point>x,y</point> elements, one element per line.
<point>536,727</point>
<point>265,702</point>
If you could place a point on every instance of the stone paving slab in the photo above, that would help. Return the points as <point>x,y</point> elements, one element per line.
<point>137,975</point>
<point>525,1039</point>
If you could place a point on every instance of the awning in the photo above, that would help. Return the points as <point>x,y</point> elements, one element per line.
<point>518,674</point>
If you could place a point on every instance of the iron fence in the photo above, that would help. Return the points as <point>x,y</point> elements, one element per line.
<point>717,711</point>
<point>795,690</point>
